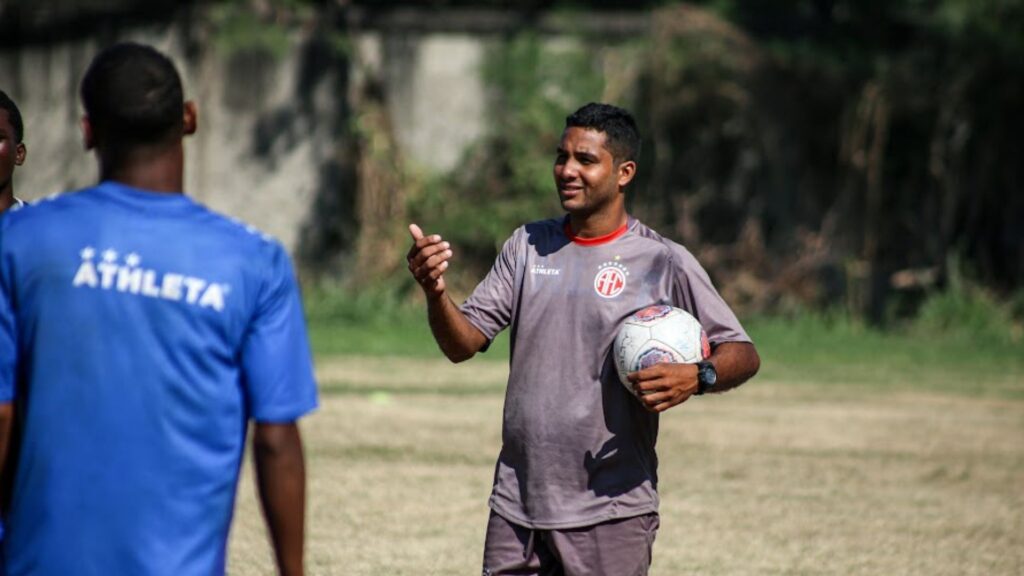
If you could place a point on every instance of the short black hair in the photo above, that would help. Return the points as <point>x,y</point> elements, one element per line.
<point>617,123</point>
<point>14,115</point>
<point>132,94</point>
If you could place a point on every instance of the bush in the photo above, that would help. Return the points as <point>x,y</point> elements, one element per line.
<point>967,312</point>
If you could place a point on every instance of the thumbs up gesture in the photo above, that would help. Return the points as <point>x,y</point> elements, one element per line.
<point>428,259</point>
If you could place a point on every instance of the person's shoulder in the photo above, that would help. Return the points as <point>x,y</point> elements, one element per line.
<point>677,252</point>
<point>240,233</point>
<point>541,235</point>
<point>24,214</point>
<point>233,226</point>
<point>546,225</point>
<point>538,228</point>
<point>648,234</point>
<point>542,228</point>
<point>253,253</point>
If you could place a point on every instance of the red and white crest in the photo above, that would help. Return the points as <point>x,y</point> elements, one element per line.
<point>610,280</point>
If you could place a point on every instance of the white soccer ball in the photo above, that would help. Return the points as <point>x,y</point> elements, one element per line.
<point>658,334</point>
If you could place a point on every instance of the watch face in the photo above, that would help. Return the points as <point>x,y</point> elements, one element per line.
<point>707,374</point>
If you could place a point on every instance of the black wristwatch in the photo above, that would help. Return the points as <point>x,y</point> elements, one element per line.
<point>706,377</point>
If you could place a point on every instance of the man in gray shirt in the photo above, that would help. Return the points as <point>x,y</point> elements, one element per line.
<point>575,486</point>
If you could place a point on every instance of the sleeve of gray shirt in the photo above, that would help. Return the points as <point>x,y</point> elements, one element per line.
<point>489,307</point>
<point>694,292</point>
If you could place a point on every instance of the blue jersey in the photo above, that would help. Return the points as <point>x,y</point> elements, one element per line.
<point>139,333</point>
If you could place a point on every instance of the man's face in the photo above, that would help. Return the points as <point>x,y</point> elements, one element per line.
<point>586,175</point>
<point>12,153</point>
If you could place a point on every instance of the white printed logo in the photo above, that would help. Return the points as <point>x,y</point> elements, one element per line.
<point>610,280</point>
<point>130,278</point>
<point>544,270</point>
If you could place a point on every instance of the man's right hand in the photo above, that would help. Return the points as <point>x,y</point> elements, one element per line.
<point>428,259</point>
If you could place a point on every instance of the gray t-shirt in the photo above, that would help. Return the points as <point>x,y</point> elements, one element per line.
<point>577,448</point>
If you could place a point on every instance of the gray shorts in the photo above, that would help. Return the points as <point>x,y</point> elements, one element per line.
<point>616,548</point>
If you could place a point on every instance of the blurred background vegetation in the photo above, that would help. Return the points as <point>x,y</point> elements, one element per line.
<point>853,159</point>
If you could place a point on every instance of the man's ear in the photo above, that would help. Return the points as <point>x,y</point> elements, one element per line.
<point>19,154</point>
<point>191,118</point>
<point>88,138</point>
<point>627,170</point>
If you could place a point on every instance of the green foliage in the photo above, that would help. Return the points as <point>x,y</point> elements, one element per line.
<point>833,349</point>
<point>967,313</point>
<point>365,323</point>
<point>332,303</point>
<point>239,30</point>
<point>847,36</point>
<point>373,322</point>
<point>240,27</point>
<point>999,22</point>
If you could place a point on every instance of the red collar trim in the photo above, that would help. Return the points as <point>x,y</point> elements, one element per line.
<point>598,239</point>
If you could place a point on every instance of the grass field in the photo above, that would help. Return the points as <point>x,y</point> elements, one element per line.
<point>853,452</point>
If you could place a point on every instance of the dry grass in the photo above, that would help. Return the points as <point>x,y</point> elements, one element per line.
<point>775,478</point>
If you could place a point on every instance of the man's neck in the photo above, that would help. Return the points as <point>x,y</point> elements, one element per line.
<point>161,171</point>
<point>596,225</point>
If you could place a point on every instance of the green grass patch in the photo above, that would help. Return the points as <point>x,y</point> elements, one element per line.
<point>827,350</point>
<point>956,346</point>
<point>375,323</point>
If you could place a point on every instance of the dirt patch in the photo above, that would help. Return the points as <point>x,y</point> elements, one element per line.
<point>769,479</point>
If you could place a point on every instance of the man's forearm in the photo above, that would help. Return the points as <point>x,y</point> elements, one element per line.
<point>428,260</point>
<point>6,431</point>
<point>735,363</point>
<point>281,481</point>
<point>456,336</point>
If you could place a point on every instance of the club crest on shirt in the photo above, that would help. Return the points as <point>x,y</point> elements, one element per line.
<point>128,276</point>
<point>610,280</point>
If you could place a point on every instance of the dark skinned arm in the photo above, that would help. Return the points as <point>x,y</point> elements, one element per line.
<point>6,430</point>
<point>281,482</point>
<point>663,386</point>
<point>428,259</point>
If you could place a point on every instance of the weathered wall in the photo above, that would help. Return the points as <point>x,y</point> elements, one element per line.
<point>272,131</point>
<point>436,95</point>
<point>43,81</point>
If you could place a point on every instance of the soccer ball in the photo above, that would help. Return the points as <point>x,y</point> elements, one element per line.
<point>658,334</point>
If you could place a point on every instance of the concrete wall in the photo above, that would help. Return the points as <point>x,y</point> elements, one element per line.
<point>437,96</point>
<point>270,129</point>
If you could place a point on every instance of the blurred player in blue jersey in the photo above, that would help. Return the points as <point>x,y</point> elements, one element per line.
<point>12,149</point>
<point>139,334</point>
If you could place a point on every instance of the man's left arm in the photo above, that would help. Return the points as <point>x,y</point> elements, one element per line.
<point>663,386</point>
<point>735,363</point>
<point>733,356</point>
<point>281,482</point>
<point>278,373</point>
<point>6,431</point>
